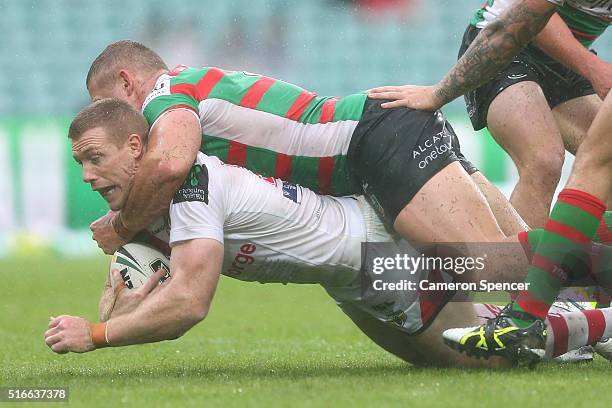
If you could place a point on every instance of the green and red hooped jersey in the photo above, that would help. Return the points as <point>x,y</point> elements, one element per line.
<point>585,27</point>
<point>586,21</point>
<point>269,126</point>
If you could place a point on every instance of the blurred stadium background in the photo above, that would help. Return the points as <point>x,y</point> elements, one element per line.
<point>332,47</point>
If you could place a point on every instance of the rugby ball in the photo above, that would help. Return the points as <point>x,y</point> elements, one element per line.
<point>136,262</point>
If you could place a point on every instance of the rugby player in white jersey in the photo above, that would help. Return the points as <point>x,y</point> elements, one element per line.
<point>223,215</point>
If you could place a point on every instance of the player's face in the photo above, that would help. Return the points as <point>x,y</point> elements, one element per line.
<point>107,167</point>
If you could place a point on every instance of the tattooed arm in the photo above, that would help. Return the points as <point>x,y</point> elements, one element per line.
<point>491,50</point>
<point>494,47</point>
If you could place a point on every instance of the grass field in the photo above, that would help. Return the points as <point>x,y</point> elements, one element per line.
<point>262,345</point>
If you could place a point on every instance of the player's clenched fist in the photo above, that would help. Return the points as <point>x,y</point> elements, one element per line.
<point>104,232</point>
<point>69,333</point>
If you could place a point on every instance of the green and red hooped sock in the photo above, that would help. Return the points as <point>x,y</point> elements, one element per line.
<point>598,267</point>
<point>604,230</point>
<point>564,242</point>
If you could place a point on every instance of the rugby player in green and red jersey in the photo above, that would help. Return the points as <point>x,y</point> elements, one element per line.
<point>407,162</point>
<point>578,213</point>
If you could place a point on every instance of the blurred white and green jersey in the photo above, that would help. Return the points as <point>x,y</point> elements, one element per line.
<point>277,232</point>
<point>587,19</point>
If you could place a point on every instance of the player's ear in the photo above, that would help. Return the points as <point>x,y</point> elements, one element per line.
<point>136,145</point>
<point>127,81</point>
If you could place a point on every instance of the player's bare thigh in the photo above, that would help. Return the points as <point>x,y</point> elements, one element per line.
<point>449,207</point>
<point>574,118</point>
<point>593,166</point>
<point>520,120</point>
<point>426,348</point>
<point>506,215</point>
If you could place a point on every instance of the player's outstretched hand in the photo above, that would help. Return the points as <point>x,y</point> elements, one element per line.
<point>126,300</point>
<point>69,333</point>
<point>409,96</point>
<point>104,234</point>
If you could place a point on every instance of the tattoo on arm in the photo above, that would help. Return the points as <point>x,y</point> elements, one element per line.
<point>493,49</point>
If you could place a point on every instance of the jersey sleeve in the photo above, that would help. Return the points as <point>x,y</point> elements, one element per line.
<point>557,2</point>
<point>198,207</point>
<point>167,96</point>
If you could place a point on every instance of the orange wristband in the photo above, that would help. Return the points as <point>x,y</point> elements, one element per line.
<point>99,336</point>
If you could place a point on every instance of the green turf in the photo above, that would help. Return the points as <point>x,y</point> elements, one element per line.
<point>262,345</point>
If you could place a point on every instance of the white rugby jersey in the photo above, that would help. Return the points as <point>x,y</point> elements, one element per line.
<point>273,231</point>
<point>277,232</point>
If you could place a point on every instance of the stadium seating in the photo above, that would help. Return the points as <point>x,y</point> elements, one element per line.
<point>48,45</point>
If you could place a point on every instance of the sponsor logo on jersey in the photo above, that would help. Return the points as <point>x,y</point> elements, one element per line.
<point>270,180</point>
<point>243,258</point>
<point>195,186</point>
<point>162,87</point>
<point>292,192</point>
<point>433,147</point>
<point>471,111</point>
<point>517,76</point>
<point>392,315</point>
<point>399,318</point>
